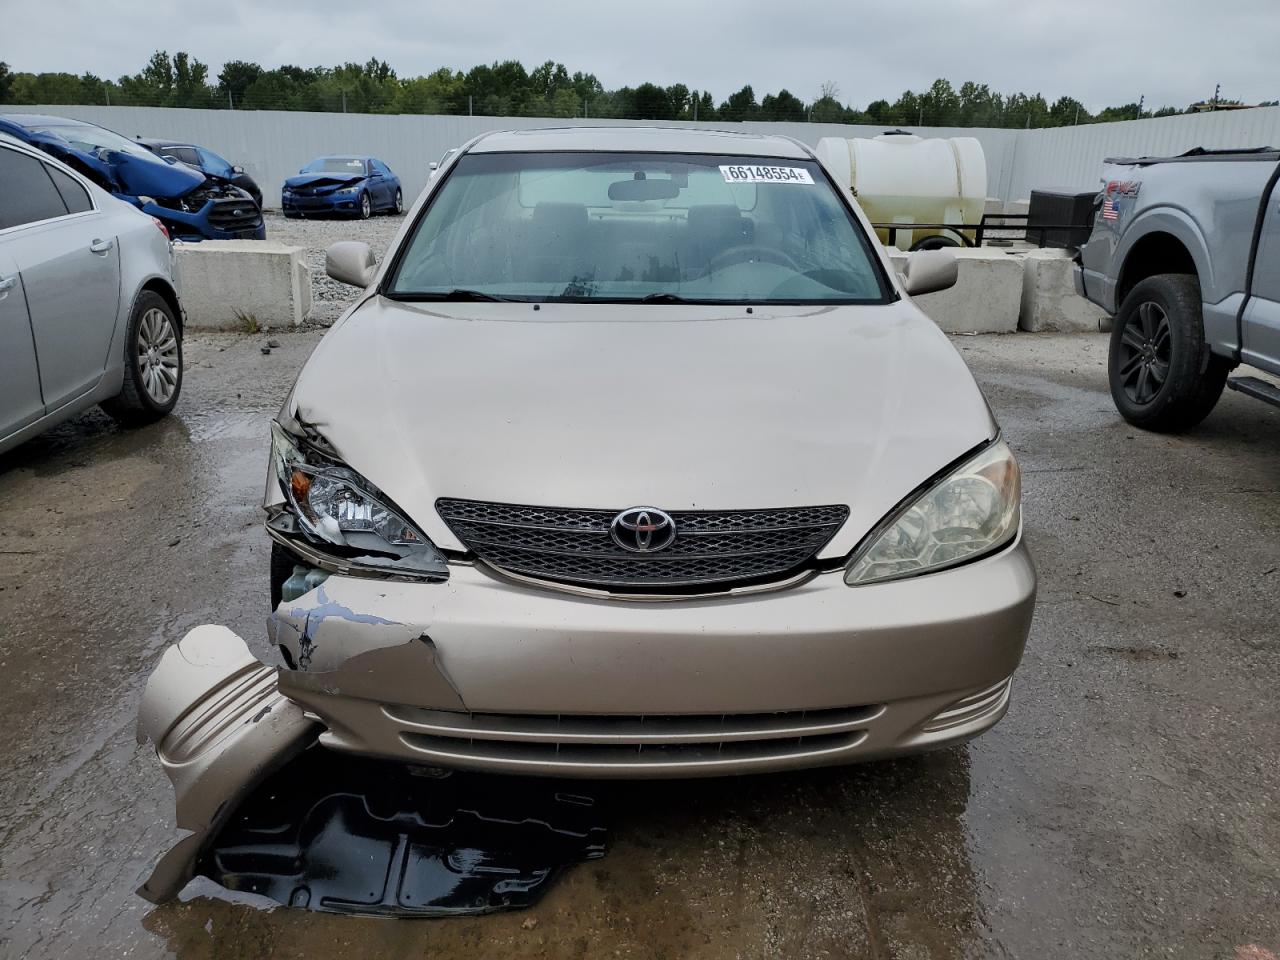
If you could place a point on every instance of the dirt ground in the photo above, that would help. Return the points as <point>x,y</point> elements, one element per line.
<point>1126,807</point>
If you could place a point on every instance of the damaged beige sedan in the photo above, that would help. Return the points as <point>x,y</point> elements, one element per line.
<point>634,459</point>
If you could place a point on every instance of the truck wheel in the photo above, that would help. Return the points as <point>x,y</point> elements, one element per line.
<point>1163,376</point>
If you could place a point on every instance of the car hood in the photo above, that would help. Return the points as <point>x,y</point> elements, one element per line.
<point>323,179</point>
<point>678,407</point>
<point>129,175</point>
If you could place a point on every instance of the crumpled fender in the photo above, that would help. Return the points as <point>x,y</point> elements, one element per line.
<point>220,727</point>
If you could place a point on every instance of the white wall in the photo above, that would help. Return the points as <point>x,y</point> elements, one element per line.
<point>272,145</point>
<point>1071,157</point>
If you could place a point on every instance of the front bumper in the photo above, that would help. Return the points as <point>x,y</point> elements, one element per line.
<point>485,674</point>
<point>334,203</point>
<point>194,227</point>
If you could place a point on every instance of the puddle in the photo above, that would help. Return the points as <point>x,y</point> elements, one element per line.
<point>353,835</point>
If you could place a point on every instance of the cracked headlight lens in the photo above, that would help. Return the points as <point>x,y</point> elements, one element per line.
<point>973,510</point>
<point>336,507</point>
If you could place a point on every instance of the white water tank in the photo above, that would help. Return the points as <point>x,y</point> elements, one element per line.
<point>902,178</point>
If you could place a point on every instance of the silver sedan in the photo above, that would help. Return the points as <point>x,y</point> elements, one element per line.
<point>89,313</point>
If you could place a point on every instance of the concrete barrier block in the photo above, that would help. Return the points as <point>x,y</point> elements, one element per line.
<point>986,297</point>
<point>1049,299</point>
<point>222,283</point>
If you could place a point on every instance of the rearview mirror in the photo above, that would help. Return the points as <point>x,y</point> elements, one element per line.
<point>350,261</point>
<point>644,190</point>
<point>928,271</point>
<point>237,169</point>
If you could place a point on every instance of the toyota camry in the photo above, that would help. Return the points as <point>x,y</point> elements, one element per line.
<point>634,458</point>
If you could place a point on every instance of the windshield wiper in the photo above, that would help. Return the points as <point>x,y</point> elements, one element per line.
<point>663,298</point>
<point>458,295</point>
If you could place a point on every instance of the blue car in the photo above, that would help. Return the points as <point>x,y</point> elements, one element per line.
<point>206,161</point>
<point>347,186</point>
<point>189,204</point>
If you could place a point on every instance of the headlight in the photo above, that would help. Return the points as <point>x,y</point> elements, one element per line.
<point>287,191</point>
<point>972,511</point>
<point>345,515</point>
<point>347,190</point>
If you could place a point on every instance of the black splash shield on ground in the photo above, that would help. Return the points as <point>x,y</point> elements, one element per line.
<point>354,835</point>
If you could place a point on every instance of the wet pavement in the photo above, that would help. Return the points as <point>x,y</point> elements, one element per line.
<point>1127,806</point>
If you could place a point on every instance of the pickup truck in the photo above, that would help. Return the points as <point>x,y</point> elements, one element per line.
<point>1184,254</point>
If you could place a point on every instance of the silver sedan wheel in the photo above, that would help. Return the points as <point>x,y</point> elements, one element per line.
<point>158,356</point>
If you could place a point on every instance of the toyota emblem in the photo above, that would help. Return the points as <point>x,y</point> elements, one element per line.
<point>643,530</point>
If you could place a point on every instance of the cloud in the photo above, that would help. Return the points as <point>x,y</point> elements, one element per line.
<point>1099,51</point>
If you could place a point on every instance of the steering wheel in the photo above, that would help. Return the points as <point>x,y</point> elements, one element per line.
<point>749,251</point>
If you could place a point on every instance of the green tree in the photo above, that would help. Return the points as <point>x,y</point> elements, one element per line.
<point>941,104</point>
<point>650,102</point>
<point>785,106</point>
<point>235,78</point>
<point>740,106</point>
<point>506,87</point>
<point>1067,111</point>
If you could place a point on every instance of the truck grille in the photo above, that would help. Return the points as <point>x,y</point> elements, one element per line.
<point>719,549</point>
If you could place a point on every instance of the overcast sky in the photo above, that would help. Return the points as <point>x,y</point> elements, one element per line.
<point>1104,52</point>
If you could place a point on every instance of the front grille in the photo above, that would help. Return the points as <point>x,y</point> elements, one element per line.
<point>235,214</point>
<point>711,549</point>
<point>567,740</point>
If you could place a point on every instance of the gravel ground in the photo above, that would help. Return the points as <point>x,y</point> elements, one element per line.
<point>330,297</point>
<point>1125,808</point>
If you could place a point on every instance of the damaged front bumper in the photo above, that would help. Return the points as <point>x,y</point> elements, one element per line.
<point>484,674</point>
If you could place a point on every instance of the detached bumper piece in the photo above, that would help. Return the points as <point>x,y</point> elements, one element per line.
<point>220,727</point>
<point>269,811</point>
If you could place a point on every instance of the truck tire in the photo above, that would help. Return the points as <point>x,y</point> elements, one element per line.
<point>1163,376</point>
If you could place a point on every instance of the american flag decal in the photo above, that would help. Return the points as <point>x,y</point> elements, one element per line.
<point>1116,189</point>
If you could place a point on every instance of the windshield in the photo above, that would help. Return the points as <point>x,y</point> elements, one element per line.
<point>335,165</point>
<point>628,227</point>
<point>87,138</point>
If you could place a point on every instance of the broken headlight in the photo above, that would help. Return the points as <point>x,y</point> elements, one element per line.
<point>971,511</point>
<point>346,517</point>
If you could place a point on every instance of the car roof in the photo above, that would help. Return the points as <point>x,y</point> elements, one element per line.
<point>41,120</point>
<point>641,140</point>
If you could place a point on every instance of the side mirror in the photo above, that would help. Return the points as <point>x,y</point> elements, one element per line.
<point>929,271</point>
<point>350,261</point>
<point>237,169</point>
<point>433,165</point>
